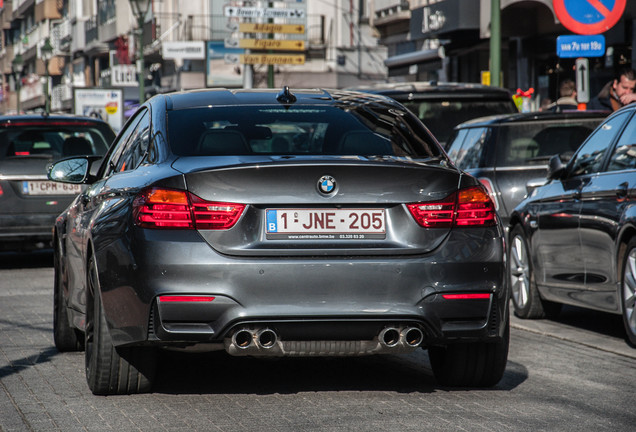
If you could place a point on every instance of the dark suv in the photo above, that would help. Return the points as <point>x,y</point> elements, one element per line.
<point>29,202</point>
<point>442,106</point>
<point>506,152</point>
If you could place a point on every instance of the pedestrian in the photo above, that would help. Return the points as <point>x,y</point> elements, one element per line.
<point>617,93</point>
<point>567,99</point>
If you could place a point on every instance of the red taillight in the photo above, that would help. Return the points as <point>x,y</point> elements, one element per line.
<point>215,215</point>
<point>177,209</point>
<point>1,191</point>
<point>466,296</point>
<point>475,208</point>
<point>468,207</point>
<point>163,208</point>
<point>185,299</point>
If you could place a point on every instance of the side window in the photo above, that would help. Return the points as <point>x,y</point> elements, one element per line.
<point>473,149</point>
<point>136,147</point>
<point>589,158</point>
<point>121,145</point>
<point>624,156</point>
<point>455,144</point>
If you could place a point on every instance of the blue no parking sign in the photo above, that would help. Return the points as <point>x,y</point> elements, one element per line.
<point>589,16</point>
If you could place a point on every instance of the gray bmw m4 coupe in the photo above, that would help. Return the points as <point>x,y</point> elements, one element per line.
<point>277,223</point>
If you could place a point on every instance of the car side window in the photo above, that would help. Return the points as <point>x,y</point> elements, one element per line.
<point>624,155</point>
<point>589,158</point>
<point>455,144</point>
<point>122,144</point>
<point>471,152</point>
<point>136,147</point>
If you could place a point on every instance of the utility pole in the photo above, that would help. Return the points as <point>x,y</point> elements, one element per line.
<point>495,43</point>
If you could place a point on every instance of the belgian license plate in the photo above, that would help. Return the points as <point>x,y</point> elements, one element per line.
<point>325,224</point>
<point>49,188</point>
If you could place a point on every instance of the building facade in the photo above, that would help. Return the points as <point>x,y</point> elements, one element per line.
<point>184,46</point>
<point>448,40</point>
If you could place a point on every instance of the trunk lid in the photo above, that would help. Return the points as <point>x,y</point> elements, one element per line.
<point>366,207</point>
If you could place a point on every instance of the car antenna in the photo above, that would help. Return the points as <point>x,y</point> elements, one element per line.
<point>285,96</point>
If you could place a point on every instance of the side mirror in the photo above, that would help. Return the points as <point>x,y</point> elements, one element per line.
<point>556,167</point>
<point>74,170</point>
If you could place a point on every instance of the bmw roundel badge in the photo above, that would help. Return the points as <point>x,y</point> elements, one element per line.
<point>326,184</point>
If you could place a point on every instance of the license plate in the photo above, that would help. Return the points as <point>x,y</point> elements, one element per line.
<point>49,188</point>
<point>325,224</point>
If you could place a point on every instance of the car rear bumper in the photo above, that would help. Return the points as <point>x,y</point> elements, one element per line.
<point>302,299</point>
<point>26,231</point>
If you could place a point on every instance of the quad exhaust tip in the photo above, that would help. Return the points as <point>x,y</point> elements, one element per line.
<point>245,338</point>
<point>410,336</point>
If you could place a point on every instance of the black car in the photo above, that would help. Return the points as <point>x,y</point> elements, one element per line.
<point>443,105</point>
<point>29,201</point>
<point>278,223</point>
<point>506,152</point>
<point>573,240</point>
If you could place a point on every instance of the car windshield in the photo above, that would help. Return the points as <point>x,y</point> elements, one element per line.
<point>56,140</point>
<point>535,142</point>
<point>297,130</point>
<point>441,116</point>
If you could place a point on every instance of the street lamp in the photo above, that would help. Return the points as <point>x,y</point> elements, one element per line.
<point>140,9</point>
<point>46,51</point>
<point>17,65</point>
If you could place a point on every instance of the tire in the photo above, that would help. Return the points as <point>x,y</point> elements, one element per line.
<point>526,299</point>
<point>66,337</point>
<point>111,370</point>
<point>470,364</point>
<point>628,291</point>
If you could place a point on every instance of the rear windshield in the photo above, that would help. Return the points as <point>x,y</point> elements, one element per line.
<point>299,130</point>
<point>57,141</point>
<point>441,116</point>
<point>535,142</point>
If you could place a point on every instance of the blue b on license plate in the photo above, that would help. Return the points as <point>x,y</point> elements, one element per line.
<point>327,224</point>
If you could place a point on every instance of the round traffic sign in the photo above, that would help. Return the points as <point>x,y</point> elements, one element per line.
<point>589,16</point>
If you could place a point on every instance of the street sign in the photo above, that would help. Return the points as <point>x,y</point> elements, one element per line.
<point>572,46</point>
<point>253,12</point>
<point>589,16</point>
<point>266,59</point>
<point>271,28</point>
<point>267,44</point>
<point>582,80</point>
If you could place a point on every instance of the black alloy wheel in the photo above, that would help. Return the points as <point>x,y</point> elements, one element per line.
<point>111,370</point>
<point>628,291</point>
<point>66,338</point>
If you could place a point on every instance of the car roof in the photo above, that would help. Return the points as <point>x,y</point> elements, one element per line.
<point>420,89</point>
<point>222,96</point>
<point>39,118</point>
<point>539,116</point>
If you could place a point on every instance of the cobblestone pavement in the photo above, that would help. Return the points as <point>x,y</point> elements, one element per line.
<point>550,384</point>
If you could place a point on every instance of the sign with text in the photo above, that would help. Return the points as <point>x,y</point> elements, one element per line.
<point>194,50</point>
<point>271,28</point>
<point>266,44</point>
<point>104,104</point>
<point>123,75</point>
<point>254,12</point>
<point>572,46</point>
<point>266,59</point>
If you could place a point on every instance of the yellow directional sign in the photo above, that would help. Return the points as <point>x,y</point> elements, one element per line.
<point>271,28</point>
<point>273,59</point>
<point>272,44</point>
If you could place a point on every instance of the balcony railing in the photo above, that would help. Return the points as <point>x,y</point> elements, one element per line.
<point>91,29</point>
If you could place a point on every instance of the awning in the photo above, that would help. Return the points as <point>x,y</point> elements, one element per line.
<point>415,57</point>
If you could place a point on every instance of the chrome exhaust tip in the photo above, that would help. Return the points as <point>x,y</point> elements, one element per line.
<point>412,336</point>
<point>389,337</point>
<point>266,338</point>
<point>243,339</point>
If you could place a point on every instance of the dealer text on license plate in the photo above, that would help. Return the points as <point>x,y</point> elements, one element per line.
<point>325,224</point>
<point>49,188</point>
